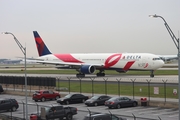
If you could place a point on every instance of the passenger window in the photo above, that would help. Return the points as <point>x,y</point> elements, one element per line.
<point>50,92</point>
<point>53,109</point>
<point>76,96</point>
<point>126,98</point>
<point>59,108</point>
<point>45,92</point>
<point>73,96</point>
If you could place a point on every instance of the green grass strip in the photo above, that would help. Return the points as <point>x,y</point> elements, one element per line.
<point>112,89</point>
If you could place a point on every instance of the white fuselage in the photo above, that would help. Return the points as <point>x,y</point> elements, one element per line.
<point>124,61</point>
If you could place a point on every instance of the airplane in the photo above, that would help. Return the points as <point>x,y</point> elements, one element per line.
<point>10,61</point>
<point>88,63</point>
<point>169,59</point>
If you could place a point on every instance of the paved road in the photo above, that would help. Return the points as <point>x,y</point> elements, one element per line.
<point>125,78</point>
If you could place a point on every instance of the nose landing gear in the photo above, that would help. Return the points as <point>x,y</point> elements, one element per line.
<point>152,73</point>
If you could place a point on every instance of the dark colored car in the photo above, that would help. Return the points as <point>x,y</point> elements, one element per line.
<point>8,104</point>
<point>102,116</point>
<point>118,102</point>
<point>72,98</point>
<point>54,111</point>
<point>43,95</point>
<point>97,100</point>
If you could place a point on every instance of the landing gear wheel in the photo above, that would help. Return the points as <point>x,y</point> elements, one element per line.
<point>100,74</point>
<point>80,75</point>
<point>152,74</point>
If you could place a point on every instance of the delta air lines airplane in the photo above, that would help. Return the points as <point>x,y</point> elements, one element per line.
<point>88,63</point>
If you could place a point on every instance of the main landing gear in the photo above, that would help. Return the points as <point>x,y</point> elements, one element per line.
<point>152,73</point>
<point>100,73</point>
<point>80,75</point>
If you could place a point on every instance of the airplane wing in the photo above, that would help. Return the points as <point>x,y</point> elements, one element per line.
<point>31,58</point>
<point>169,58</point>
<point>68,63</point>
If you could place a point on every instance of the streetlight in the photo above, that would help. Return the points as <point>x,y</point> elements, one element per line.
<point>23,49</point>
<point>177,44</point>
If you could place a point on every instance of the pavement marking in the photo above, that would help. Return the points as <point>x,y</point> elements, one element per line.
<point>176,115</point>
<point>167,112</point>
<point>140,109</point>
<point>152,111</point>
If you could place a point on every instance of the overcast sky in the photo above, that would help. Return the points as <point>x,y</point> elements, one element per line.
<point>89,26</point>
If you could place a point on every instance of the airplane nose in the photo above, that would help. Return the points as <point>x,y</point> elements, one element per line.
<point>161,63</point>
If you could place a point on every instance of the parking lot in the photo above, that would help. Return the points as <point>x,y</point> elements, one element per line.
<point>139,112</point>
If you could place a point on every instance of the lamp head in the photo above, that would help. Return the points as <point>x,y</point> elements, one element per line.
<point>154,16</point>
<point>6,33</point>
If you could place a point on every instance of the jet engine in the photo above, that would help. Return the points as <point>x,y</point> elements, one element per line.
<point>87,69</point>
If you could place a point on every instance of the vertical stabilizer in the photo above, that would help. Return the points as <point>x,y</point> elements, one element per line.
<point>41,47</point>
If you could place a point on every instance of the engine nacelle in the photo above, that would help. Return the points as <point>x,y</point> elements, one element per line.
<point>87,69</point>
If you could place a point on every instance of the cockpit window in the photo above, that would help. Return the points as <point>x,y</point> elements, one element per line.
<point>156,58</point>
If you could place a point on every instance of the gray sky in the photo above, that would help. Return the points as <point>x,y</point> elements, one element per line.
<point>89,26</point>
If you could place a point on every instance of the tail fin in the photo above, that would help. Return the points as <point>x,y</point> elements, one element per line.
<point>41,47</point>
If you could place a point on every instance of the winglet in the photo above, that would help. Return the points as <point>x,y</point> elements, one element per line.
<point>41,47</point>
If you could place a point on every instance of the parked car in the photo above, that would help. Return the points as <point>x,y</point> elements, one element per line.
<point>118,102</point>
<point>102,116</point>
<point>54,111</point>
<point>72,98</point>
<point>1,89</point>
<point>43,95</point>
<point>97,100</point>
<point>8,104</point>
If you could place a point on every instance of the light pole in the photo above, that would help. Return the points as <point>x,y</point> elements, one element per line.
<point>176,42</point>
<point>23,49</point>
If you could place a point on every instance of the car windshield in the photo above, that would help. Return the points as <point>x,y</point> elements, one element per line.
<point>95,97</point>
<point>47,109</point>
<point>68,96</point>
<point>114,117</point>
